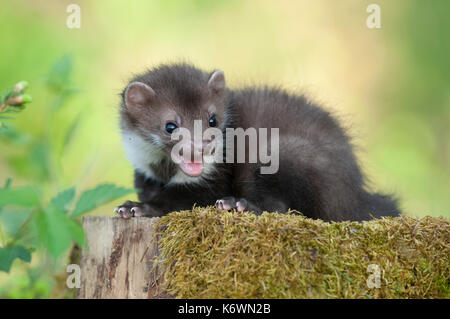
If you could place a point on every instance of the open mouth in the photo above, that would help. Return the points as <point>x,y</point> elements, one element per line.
<point>194,164</point>
<point>191,168</point>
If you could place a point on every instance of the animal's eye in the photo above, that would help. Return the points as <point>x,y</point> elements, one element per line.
<point>170,127</point>
<point>212,121</point>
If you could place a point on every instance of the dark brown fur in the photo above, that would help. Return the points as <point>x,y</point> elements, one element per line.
<point>318,174</point>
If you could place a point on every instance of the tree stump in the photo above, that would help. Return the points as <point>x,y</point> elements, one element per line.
<point>117,261</point>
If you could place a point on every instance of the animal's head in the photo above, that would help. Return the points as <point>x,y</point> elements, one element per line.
<point>169,101</point>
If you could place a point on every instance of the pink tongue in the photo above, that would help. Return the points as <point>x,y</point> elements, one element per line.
<point>192,169</point>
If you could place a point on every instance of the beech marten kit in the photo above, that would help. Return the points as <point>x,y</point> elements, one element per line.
<point>311,167</point>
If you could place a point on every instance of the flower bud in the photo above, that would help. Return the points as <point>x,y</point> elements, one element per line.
<point>21,86</point>
<point>26,98</point>
<point>17,100</point>
<point>20,100</point>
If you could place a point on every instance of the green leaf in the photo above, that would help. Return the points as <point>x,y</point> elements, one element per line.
<point>77,233</point>
<point>8,183</point>
<point>57,231</point>
<point>13,219</point>
<point>70,133</point>
<point>64,198</point>
<point>58,77</point>
<point>39,160</point>
<point>9,253</point>
<point>22,196</point>
<point>98,196</point>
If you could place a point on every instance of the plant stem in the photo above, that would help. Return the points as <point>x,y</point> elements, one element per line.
<point>3,106</point>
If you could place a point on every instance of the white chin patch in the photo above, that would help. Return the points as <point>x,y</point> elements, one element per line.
<point>141,153</point>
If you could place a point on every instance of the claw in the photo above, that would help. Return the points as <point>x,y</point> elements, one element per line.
<point>125,213</point>
<point>131,209</point>
<point>241,205</point>
<point>219,204</point>
<point>227,203</point>
<point>137,212</point>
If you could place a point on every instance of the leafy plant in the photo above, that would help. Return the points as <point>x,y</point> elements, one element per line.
<point>15,98</point>
<point>39,219</point>
<point>53,225</point>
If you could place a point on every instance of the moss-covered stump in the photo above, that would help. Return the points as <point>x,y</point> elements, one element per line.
<point>210,254</point>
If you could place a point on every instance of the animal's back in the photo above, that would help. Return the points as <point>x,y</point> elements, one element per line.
<point>318,172</point>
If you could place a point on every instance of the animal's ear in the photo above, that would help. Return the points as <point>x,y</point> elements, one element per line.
<point>216,82</point>
<point>138,95</point>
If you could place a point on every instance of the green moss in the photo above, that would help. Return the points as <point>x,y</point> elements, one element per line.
<point>211,254</point>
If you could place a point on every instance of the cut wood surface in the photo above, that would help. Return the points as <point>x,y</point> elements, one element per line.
<point>118,258</point>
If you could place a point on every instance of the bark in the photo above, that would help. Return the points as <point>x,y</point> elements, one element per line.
<point>117,261</point>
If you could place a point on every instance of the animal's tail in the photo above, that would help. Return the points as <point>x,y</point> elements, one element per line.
<point>379,205</point>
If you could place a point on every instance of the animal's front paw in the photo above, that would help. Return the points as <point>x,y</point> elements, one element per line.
<point>131,209</point>
<point>229,203</point>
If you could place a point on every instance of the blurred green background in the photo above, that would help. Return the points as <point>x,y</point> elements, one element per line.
<point>390,86</point>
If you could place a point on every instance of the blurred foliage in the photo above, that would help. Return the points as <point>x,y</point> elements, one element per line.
<point>390,86</point>
<point>30,226</point>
